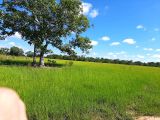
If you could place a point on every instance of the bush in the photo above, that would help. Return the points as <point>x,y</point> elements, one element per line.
<point>69,63</point>
<point>51,62</point>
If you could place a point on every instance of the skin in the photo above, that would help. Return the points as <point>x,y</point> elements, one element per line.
<point>148,118</point>
<point>11,106</point>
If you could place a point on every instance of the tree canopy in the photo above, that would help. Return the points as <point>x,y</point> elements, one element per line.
<point>4,51</point>
<point>46,22</point>
<point>16,51</point>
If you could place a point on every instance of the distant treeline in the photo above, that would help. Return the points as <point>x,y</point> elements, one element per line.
<point>15,51</point>
<point>103,60</point>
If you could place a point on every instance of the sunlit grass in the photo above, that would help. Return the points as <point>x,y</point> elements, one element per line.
<point>85,91</point>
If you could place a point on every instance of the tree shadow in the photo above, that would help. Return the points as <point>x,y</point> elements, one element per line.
<point>55,65</point>
<point>27,63</point>
<point>15,63</point>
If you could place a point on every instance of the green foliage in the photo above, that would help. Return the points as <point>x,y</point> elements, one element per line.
<point>29,54</point>
<point>69,63</point>
<point>15,51</point>
<point>103,60</point>
<point>51,62</point>
<point>25,61</point>
<point>47,22</point>
<point>4,51</point>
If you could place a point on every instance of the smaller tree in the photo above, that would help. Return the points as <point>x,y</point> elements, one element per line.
<point>16,51</point>
<point>29,54</point>
<point>4,51</point>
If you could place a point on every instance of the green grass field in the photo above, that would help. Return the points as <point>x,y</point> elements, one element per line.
<point>85,91</point>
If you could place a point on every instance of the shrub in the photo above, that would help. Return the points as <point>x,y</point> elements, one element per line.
<point>51,62</point>
<point>69,63</point>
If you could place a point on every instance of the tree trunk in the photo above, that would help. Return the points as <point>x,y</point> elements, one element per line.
<point>41,62</point>
<point>43,50</point>
<point>34,56</point>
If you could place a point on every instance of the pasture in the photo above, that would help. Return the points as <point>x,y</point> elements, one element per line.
<point>84,91</point>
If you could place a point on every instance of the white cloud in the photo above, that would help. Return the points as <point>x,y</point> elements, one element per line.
<point>94,43</point>
<point>115,44</point>
<point>137,57</point>
<point>116,55</point>
<point>141,27</point>
<point>148,49</point>
<point>158,50</point>
<point>90,50</point>
<point>12,43</point>
<point>94,13</point>
<point>6,39</point>
<point>17,35</point>
<point>156,56</point>
<point>94,53</point>
<point>105,38</point>
<point>134,57</point>
<point>73,33</point>
<point>156,29</point>
<point>153,39</point>
<point>129,41</point>
<point>111,55</point>
<point>121,53</point>
<point>4,46</point>
<point>26,50</point>
<point>140,56</point>
<point>86,8</point>
<point>89,10</point>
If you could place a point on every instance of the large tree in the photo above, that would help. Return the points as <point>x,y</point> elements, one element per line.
<point>47,22</point>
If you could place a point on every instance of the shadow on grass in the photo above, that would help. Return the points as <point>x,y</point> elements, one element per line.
<point>26,63</point>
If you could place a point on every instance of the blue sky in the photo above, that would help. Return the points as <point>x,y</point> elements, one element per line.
<point>123,29</point>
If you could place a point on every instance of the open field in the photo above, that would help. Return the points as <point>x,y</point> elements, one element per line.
<point>85,91</point>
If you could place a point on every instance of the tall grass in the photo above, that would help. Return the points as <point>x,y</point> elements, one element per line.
<point>85,91</point>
